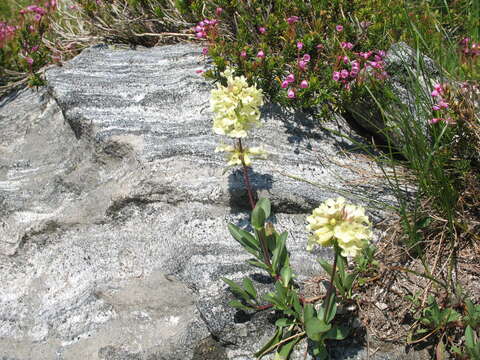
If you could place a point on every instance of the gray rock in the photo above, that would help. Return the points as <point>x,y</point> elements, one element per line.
<point>410,81</point>
<point>114,209</point>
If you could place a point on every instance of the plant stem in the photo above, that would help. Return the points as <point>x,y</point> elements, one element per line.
<point>248,186</point>
<point>245,176</point>
<point>331,288</point>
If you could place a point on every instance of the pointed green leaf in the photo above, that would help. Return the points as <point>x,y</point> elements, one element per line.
<point>245,239</point>
<point>316,328</point>
<point>337,333</point>
<point>286,349</point>
<point>326,266</point>
<point>308,312</point>
<point>275,339</point>
<point>469,337</point>
<point>236,289</point>
<point>283,322</point>
<point>238,305</point>
<point>286,275</point>
<point>249,288</point>
<point>264,203</point>
<point>259,265</point>
<point>258,218</point>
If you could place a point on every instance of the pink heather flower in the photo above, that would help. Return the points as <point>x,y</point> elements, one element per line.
<point>344,74</point>
<point>201,34</point>
<point>306,58</point>
<point>304,84</point>
<point>23,11</point>
<point>435,93</point>
<point>434,120</point>
<point>243,54</point>
<point>377,58</point>
<point>205,51</point>
<point>290,93</point>
<point>199,71</point>
<point>31,28</point>
<point>438,87</point>
<point>336,75</point>
<point>381,53</point>
<point>34,49</point>
<point>319,46</point>
<point>347,45</point>
<point>37,17</point>
<point>292,19</point>
<point>365,55</point>
<point>299,45</point>
<point>436,107</point>
<point>73,7</point>
<point>339,28</point>
<point>443,104</point>
<point>261,54</point>
<point>302,64</point>
<point>29,60</point>
<point>262,30</point>
<point>346,60</point>
<point>290,78</point>
<point>201,23</point>
<point>285,84</point>
<point>32,8</point>
<point>218,11</point>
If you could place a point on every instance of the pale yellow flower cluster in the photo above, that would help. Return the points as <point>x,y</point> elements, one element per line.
<point>235,153</point>
<point>345,224</point>
<point>236,107</point>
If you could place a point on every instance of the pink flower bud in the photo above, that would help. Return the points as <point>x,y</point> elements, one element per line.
<point>29,60</point>
<point>243,54</point>
<point>299,45</point>
<point>205,51</point>
<point>436,107</point>
<point>199,71</point>
<point>302,65</point>
<point>339,28</point>
<point>336,75</point>
<point>344,74</point>
<point>218,11</point>
<point>304,84</point>
<point>306,58</point>
<point>292,19</point>
<point>434,120</point>
<point>261,54</point>
<point>347,45</point>
<point>262,30</point>
<point>435,93</point>
<point>290,78</point>
<point>290,93</point>
<point>285,84</point>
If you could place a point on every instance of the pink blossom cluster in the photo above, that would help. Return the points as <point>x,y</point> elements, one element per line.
<point>350,70</point>
<point>38,11</point>
<point>470,48</point>
<point>204,27</point>
<point>289,84</point>
<point>440,107</point>
<point>6,32</point>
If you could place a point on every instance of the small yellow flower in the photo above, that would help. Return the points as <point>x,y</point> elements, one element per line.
<point>236,107</point>
<point>235,153</point>
<point>345,224</point>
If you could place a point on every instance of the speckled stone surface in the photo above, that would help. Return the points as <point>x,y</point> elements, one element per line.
<point>114,209</point>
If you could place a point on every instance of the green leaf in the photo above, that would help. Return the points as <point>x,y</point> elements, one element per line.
<point>237,290</point>
<point>308,312</point>
<point>245,239</point>
<point>258,218</point>
<point>337,333</point>
<point>286,349</point>
<point>279,254</point>
<point>249,288</point>
<point>275,339</point>
<point>283,322</point>
<point>264,203</point>
<point>238,305</point>
<point>326,266</point>
<point>259,265</point>
<point>469,337</point>
<point>333,308</point>
<point>316,329</point>
<point>286,275</point>
<point>320,351</point>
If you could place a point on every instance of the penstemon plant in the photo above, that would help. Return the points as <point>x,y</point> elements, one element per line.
<point>345,227</point>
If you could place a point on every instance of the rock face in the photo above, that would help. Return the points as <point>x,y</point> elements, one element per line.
<point>410,82</point>
<point>114,209</point>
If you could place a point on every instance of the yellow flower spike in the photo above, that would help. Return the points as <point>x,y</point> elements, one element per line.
<point>236,107</point>
<point>346,224</point>
<point>233,158</point>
